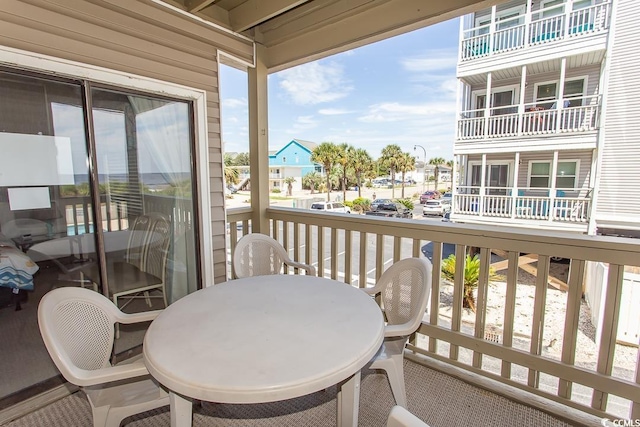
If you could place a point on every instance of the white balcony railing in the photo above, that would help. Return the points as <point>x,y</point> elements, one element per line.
<point>481,42</point>
<point>356,249</point>
<point>530,119</point>
<point>537,205</point>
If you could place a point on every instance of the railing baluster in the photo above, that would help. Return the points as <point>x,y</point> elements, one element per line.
<point>320,251</point>
<point>334,253</point>
<point>572,316</point>
<point>379,255</point>
<point>458,294</point>
<point>362,280</point>
<point>347,256</point>
<point>308,244</point>
<point>436,278</point>
<point>481,301</point>
<point>509,309</point>
<point>537,325</point>
<point>606,349</point>
<point>397,241</point>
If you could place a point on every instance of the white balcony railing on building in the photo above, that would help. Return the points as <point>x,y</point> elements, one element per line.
<point>525,204</point>
<point>356,249</point>
<point>512,34</point>
<point>580,115</point>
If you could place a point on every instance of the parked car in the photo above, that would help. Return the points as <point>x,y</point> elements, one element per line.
<point>330,207</point>
<point>429,195</point>
<point>436,207</point>
<point>377,203</point>
<point>447,196</point>
<point>394,210</point>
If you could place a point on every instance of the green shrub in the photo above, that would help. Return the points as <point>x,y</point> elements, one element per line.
<point>348,203</point>
<point>276,190</point>
<point>362,204</point>
<point>471,277</point>
<point>408,203</point>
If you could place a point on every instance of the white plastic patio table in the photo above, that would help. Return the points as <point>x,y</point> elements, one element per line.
<point>264,339</point>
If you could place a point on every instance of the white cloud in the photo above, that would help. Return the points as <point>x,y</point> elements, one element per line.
<point>235,103</point>
<point>303,123</point>
<point>433,60</point>
<point>334,111</point>
<point>396,112</point>
<point>315,83</point>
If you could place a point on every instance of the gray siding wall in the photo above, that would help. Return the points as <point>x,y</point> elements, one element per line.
<point>619,189</point>
<point>583,156</point>
<point>140,38</point>
<point>591,73</point>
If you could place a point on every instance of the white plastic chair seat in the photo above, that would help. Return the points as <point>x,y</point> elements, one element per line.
<point>400,417</point>
<point>404,288</point>
<point>259,255</point>
<point>78,327</point>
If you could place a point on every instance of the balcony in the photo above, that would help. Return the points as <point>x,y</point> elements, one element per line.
<point>530,120</point>
<point>528,206</point>
<point>582,373</point>
<point>545,31</point>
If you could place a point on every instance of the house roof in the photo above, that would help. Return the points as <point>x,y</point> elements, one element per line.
<point>305,145</point>
<point>293,32</point>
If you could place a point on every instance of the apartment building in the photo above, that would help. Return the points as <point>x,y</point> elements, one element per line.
<point>545,135</point>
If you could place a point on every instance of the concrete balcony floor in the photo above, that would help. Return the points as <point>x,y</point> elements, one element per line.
<point>435,397</point>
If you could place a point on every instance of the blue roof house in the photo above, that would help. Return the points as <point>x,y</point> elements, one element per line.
<point>294,159</point>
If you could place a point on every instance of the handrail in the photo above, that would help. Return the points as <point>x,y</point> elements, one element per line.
<point>357,248</point>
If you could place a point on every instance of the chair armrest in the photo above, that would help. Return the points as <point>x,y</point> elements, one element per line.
<point>145,316</point>
<point>85,378</point>
<point>311,270</point>
<point>371,291</point>
<point>402,330</point>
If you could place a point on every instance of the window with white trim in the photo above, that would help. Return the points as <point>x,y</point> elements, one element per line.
<point>540,173</point>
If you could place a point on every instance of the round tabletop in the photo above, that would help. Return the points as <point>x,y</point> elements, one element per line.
<point>263,339</point>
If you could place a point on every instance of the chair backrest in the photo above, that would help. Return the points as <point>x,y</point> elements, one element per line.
<point>77,326</point>
<point>404,289</point>
<point>148,243</point>
<point>258,255</point>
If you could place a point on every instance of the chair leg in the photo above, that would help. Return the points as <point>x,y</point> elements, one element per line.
<point>100,416</point>
<point>147,299</point>
<point>115,301</point>
<point>395,373</point>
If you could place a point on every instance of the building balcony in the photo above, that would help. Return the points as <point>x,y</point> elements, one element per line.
<point>534,207</point>
<point>535,31</point>
<point>530,120</point>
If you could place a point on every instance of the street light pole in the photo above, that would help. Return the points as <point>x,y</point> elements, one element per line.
<point>424,165</point>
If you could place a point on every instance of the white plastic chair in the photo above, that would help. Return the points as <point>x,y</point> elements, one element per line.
<point>260,255</point>
<point>400,417</point>
<point>404,288</point>
<point>77,326</point>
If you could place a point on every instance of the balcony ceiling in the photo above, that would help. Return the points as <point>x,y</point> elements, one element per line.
<point>298,31</point>
<point>541,67</point>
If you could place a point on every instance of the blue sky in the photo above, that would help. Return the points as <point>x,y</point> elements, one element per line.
<point>398,91</point>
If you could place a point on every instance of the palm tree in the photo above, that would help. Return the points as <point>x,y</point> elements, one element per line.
<point>406,163</point>
<point>437,161</point>
<point>327,155</point>
<point>361,163</point>
<point>390,156</point>
<point>312,180</point>
<point>230,172</point>
<point>345,152</point>
<point>289,181</point>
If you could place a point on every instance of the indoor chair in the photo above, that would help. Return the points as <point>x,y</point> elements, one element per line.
<point>259,255</point>
<point>77,326</point>
<point>404,289</point>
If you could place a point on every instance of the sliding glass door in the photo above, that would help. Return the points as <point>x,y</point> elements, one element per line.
<point>96,190</point>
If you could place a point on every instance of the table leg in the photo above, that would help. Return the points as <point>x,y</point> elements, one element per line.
<point>181,411</point>
<point>349,401</point>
